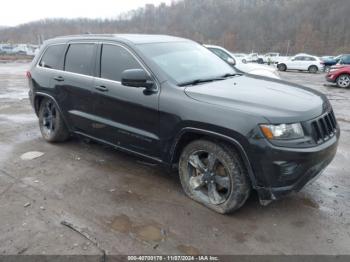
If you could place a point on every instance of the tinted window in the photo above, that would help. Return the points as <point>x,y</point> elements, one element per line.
<point>79,59</point>
<point>346,59</point>
<point>53,57</point>
<point>115,60</point>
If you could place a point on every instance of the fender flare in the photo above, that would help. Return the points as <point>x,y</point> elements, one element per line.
<point>57,105</point>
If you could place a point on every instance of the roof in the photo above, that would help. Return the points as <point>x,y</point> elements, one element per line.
<point>131,38</point>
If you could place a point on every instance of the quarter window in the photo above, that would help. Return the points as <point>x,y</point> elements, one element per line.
<point>53,57</point>
<point>79,59</point>
<point>115,60</point>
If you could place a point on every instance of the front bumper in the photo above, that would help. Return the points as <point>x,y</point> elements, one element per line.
<point>280,171</point>
<point>331,77</point>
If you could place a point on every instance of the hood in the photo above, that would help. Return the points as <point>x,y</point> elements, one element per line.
<point>276,100</point>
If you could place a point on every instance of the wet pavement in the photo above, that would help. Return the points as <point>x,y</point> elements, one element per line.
<point>122,205</point>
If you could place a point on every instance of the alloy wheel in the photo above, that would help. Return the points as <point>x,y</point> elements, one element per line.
<point>49,118</point>
<point>344,81</point>
<point>208,178</point>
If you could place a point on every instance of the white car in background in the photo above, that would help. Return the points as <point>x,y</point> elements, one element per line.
<point>236,62</point>
<point>301,62</point>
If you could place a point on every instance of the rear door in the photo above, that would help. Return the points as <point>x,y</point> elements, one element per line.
<point>125,116</point>
<point>75,85</point>
<point>297,63</point>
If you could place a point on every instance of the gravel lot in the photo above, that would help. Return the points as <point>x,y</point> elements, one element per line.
<point>127,206</point>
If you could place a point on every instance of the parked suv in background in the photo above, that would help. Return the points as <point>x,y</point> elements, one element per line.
<point>249,68</point>
<point>174,102</point>
<point>301,62</point>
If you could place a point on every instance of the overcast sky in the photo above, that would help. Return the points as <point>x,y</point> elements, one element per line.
<point>14,12</point>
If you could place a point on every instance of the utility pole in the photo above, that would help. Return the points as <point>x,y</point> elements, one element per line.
<point>288,47</point>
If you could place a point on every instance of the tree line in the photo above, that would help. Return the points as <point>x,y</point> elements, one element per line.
<point>318,27</point>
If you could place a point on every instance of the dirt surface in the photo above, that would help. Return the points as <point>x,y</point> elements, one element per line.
<point>123,205</point>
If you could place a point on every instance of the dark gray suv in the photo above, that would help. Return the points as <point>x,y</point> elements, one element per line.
<point>174,102</point>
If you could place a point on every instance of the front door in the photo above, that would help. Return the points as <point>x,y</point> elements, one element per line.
<point>125,116</point>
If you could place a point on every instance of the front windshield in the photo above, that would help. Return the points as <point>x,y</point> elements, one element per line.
<point>186,61</point>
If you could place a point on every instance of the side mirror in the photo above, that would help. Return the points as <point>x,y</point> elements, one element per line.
<point>137,78</point>
<point>231,61</point>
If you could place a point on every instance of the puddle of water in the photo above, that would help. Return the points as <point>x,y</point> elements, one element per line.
<point>148,233</point>
<point>122,224</point>
<point>18,118</point>
<point>17,95</point>
<point>188,250</point>
<point>310,203</point>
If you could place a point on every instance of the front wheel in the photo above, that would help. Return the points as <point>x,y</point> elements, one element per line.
<point>52,126</point>
<point>281,67</point>
<point>343,81</point>
<point>313,69</point>
<point>214,175</point>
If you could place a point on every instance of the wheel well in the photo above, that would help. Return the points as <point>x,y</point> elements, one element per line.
<point>192,136</point>
<point>313,66</point>
<point>37,102</point>
<point>282,64</point>
<point>183,142</point>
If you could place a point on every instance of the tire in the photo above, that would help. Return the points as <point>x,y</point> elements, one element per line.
<point>343,81</point>
<point>260,61</point>
<point>282,67</point>
<point>313,69</point>
<point>244,61</point>
<point>234,188</point>
<point>52,126</point>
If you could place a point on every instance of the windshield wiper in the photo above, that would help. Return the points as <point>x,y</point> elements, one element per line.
<point>199,81</point>
<point>231,75</point>
<point>206,80</point>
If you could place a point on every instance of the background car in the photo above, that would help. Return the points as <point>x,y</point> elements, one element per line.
<point>329,61</point>
<point>252,57</point>
<point>301,62</point>
<point>270,57</point>
<point>340,75</point>
<point>236,62</point>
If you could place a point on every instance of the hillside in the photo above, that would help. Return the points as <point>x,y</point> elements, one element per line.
<point>313,26</point>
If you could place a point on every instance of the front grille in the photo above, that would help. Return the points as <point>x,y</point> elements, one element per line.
<point>324,127</point>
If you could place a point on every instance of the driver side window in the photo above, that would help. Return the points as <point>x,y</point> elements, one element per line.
<point>115,60</point>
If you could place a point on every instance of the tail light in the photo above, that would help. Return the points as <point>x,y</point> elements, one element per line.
<point>28,75</point>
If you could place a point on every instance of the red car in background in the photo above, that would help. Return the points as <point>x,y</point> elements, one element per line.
<point>339,74</point>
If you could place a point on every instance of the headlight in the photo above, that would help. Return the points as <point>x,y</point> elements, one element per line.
<point>283,131</point>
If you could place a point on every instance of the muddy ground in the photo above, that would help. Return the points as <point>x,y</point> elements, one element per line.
<point>126,206</point>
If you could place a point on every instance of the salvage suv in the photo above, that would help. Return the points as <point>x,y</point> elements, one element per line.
<point>174,102</point>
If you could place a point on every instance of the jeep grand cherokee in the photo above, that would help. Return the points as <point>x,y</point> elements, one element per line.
<point>174,102</point>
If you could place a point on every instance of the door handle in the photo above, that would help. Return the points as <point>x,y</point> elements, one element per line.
<point>59,78</point>
<point>102,88</point>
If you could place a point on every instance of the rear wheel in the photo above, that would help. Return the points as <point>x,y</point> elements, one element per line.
<point>214,175</point>
<point>343,81</point>
<point>52,126</point>
<point>313,69</point>
<point>281,67</point>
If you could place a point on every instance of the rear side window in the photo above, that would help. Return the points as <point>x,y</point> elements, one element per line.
<point>346,59</point>
<point>114,60</point>
<point>53,57</point>
<point>79,59</point>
